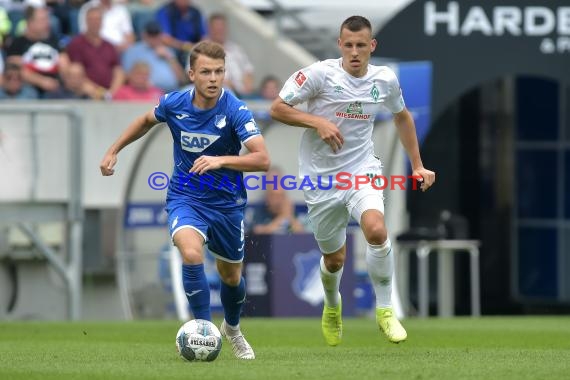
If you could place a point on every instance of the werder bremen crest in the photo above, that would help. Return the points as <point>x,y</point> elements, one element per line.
<point>375,93</point>
<point>355,108</point>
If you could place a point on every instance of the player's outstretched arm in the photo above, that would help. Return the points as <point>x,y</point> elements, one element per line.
<point>255,161</point>
<point>137,129</point>
<point>327,131</point>
<point>407,132</point>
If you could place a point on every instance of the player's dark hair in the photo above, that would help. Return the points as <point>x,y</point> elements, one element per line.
<point>356,24</point>
<point>209,49</point>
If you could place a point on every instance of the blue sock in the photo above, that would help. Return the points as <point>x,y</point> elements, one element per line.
<point>197,290</point>
<point>232,300</point>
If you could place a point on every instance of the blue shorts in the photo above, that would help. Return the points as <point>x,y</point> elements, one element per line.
<point>222,230</point>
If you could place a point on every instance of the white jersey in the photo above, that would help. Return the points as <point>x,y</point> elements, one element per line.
<point>349,102</point>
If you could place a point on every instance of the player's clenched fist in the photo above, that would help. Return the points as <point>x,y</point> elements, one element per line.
<point>107,164</point>
<point>428,177</point>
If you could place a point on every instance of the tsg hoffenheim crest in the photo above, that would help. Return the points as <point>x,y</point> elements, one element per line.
<point>307,283</point>
<point>220,121</point>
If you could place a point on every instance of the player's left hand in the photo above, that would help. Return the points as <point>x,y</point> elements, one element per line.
<point>204,163</point>
<point>107,164</point>
<point>428,177</point>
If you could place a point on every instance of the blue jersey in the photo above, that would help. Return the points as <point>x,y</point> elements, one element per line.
<point>218,131</point>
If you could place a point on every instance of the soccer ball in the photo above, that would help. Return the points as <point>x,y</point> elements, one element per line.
<point>199,340</point>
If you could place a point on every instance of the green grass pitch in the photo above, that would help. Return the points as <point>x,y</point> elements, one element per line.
<point>459,348</point>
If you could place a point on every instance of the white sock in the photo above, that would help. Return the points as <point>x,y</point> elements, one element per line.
<point>232,330</point>
<point>380,261</point>
<point>331,284</point>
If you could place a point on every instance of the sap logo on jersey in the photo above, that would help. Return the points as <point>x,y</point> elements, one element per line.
<point>196,142</point>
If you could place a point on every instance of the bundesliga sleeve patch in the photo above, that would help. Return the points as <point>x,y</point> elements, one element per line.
<point>250,126</point>
<point>300,78</point>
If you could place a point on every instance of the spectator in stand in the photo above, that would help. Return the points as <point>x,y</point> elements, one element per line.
<point>99,58</point>
<point>239,69</point>
<point>61,12</point>
<point>74,8</point>
<point>17,16</point>
<point>165,71</point>
<point>1,68</point>
<point>278,212</point>
<point>13,86</point>
<point>38,52</point>
<point>5,25</point>
<point>270,87</point>
<point>183,26</point>
<point>143,12</point>
<point>117,27</point>
<point>75,84</point>
<point>138,86</point>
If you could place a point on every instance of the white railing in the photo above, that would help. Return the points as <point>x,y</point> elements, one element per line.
<point>26,213</point>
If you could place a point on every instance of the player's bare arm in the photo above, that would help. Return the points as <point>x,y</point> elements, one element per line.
<point>257,159</point>
<point>327,131</point>
<point>407,132</point>
<point>138,128</point>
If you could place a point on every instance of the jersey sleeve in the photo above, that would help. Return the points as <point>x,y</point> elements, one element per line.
<point>244,124</point>
<point>395,100</point>
<point>303,84</point>
<point>160,108</point>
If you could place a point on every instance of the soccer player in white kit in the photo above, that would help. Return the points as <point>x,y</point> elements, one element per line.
<point>343,96</point>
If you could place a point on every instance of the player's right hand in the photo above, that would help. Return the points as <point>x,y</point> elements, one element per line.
<point>330,134</point>
<point>107,164</point>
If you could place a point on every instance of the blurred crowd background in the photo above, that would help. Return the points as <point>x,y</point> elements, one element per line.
<point>113,50</point>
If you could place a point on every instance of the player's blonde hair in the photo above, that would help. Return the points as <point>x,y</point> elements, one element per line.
<point>209,49</point>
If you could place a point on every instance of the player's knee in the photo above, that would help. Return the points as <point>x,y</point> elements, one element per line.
<point>191,256</point>
<point>375,234</point>
<point>231,279</point>
<point>230,274</point>
<point>334,262</point>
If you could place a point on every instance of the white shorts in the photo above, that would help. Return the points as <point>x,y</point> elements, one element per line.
<point>330,213</point>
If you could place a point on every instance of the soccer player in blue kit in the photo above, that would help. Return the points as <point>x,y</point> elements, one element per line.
<point>206,197</point>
